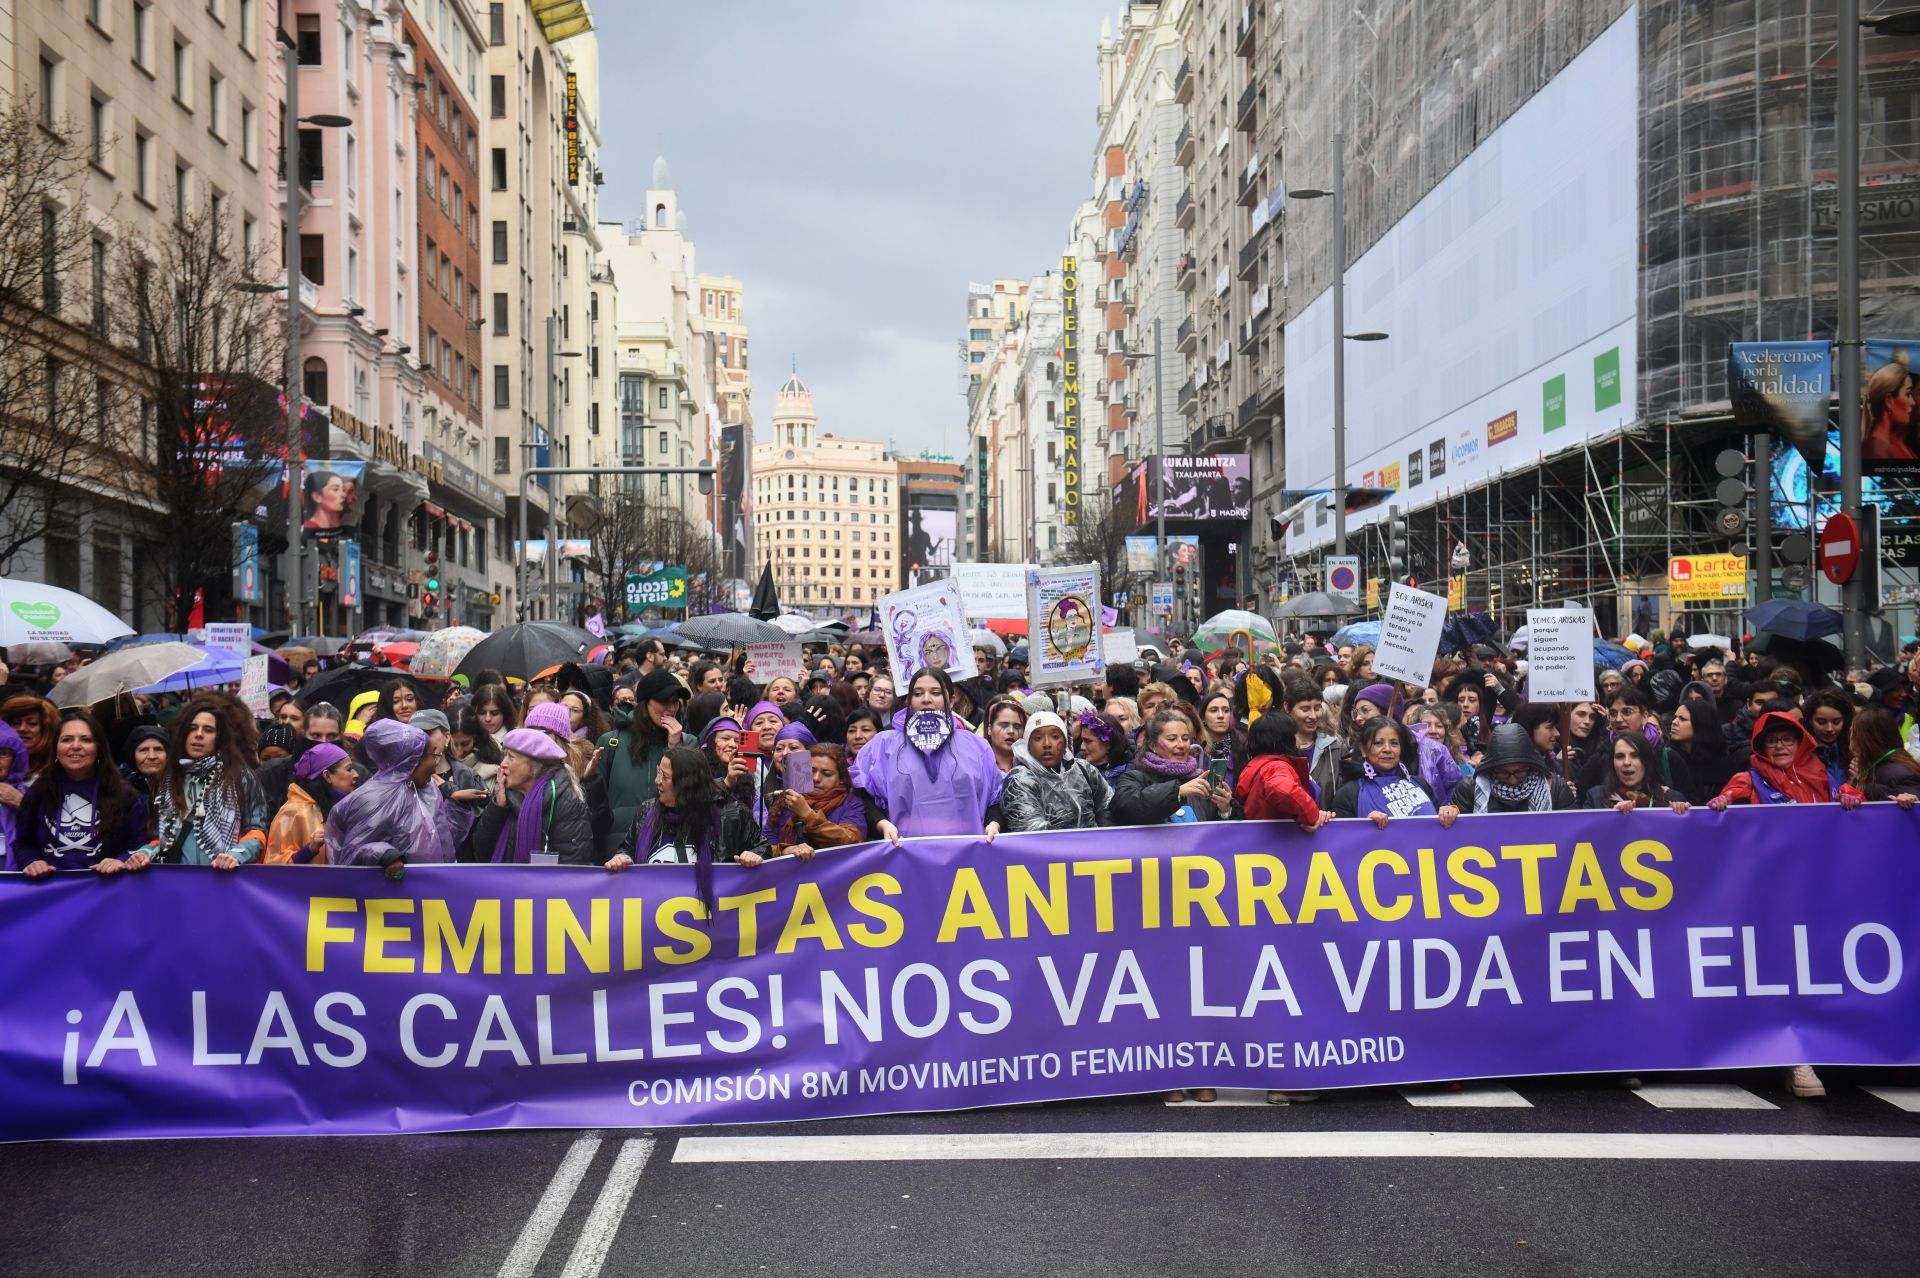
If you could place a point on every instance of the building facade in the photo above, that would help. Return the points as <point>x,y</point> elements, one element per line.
<point>826,511</point>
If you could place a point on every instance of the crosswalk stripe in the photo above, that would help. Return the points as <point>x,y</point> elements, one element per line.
<point>939,1147</point>
<point>1907,1098</point>
<point>603,1222</point>
<point>1700,1096</point>
<point>538,1231</point>
<point>1470,1096</point>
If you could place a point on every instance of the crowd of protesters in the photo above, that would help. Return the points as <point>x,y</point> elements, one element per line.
<point>662,759</point>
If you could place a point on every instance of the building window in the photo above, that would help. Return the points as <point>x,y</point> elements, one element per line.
<point>99,263</point>
<point>182,70</point>
<point>313,157</point>
<point>502,455</point>
<point>499,242</point>
<point>499,168</point>
<point>143,34</point>
<point>143,166</point>
<point>49,91</point>
<point>182,190</point>
<point>307,38</point>
<point>313,258</point>
<point>217,107</point>
<point>313,380</point>
<point>499,314</point>
<point>497,97</point>
<point>496,25</point>
<point>502,386</point>
<point>663,397</point>
<point>249,135</point>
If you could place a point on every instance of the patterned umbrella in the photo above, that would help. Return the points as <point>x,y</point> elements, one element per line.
<point>441,651</point>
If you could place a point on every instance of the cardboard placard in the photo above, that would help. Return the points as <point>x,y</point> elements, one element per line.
<point>1560,654</point>
<point>1410,635</point>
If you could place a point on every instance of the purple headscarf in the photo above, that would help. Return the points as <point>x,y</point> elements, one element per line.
<point>390,813</point>
<point>943,791</point>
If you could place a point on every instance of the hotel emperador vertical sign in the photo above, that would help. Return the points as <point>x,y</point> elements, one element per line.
<point>573,129</point>
<point>1070,385</point>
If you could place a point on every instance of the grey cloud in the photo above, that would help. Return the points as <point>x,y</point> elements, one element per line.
<point>856,164</point>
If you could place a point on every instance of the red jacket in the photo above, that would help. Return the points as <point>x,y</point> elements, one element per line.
<point>1274,786</point>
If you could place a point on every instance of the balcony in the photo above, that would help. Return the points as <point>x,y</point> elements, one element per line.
<point>1185,337</point>
<point>1249,411</point>
<point>1186,275</point>
<point>1183,212</point>
<point>1249,186</point>
<point>1249,331</point>
<point>1189,394</point>
<point>1243,38</point>
<point>1243,113</point>
<point>1183,82</point>
<point>1250,254</point>
<point>1184,147</point>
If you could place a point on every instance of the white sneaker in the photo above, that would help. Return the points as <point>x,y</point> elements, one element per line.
<point>1805,1083</point>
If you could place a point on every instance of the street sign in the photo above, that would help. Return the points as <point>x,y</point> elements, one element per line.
<point>1706,578</point>
<point>1343,575</point>
<point>664,589</point>
<point>1839,549</point>
<point>1163,597</point>
<point>1795,577</point>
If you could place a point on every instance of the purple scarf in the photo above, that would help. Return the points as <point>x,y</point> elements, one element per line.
<point>1173,769</point>
<point>529,828</point>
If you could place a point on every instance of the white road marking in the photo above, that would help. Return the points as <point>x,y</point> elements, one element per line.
<point>1700,1096</point>
<point>1470,1096</point>
<point>596,1236</point>
<point>1907,1098</point>
<point>1230,1096</point>
<point>1333,1144</point>
<point>538,1231</point>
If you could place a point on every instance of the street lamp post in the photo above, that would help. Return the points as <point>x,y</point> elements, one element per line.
<point>554,356</point>
<point>1340,335</point>
<point>704,470</point>
<point>292,569</point>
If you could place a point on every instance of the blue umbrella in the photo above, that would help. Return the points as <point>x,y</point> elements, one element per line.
<point>1794,619</point>
<point>219,667</point>
<point>1608,655</point>
<point>1357,633</point>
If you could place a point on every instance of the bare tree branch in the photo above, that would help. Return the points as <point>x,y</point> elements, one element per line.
<point>210,360</point>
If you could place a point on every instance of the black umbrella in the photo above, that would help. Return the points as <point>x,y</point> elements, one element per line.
<point>766,600</point>
<point>1797,619</point>
<point>729,629</point>
<point>524,650</point>
<point>1318,603</point>
<point>342,684</point>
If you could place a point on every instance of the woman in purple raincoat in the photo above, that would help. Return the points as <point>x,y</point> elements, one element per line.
<point>397,815</point>
<point>928,770</point>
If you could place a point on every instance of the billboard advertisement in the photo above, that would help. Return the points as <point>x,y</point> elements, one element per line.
<point>1201,486</point>
<point>1508,298</point>
<point>1890,437</point>
<point>1183,550</point>
<point>929,542</point>
<point>736,500</point>
<point>1782,388</point>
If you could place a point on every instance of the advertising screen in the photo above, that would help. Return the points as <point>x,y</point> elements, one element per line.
<point>1507,295</point>
<point>1202,486</point>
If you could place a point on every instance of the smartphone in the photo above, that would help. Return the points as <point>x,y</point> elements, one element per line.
<point>1217,771</point>
<point>798,771</point>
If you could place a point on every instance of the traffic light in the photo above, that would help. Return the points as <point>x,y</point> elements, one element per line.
<point>428,600</point>
<point>1399,546</point>
<point>433,573</point>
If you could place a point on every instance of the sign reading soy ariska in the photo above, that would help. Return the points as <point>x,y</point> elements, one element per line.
<point>1070,388</point>
<point>950,975</point>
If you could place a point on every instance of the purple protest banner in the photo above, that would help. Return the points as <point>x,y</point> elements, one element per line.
<point>953,973</point>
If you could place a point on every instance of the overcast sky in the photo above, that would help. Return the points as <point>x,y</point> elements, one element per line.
<point>855,163</point>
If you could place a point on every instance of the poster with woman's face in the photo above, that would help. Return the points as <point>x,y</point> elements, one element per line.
<point>1063,625</point>
<point>330,495</point>
<point>1890,435</point>
<point>925,629</point>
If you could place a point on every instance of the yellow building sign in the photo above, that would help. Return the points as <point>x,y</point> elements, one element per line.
<point>1706,578</point>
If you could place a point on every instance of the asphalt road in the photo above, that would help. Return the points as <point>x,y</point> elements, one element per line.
<point>1537,1177</point>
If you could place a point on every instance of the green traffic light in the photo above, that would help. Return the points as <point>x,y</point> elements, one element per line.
<point>433,583</point>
